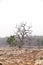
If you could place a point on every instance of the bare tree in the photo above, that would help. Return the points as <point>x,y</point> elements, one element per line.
<point>22,32</point>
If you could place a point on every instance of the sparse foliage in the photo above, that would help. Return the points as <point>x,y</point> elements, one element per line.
<point>11,40</point>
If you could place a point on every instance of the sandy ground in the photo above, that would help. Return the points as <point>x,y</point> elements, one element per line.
<point>16,56</point>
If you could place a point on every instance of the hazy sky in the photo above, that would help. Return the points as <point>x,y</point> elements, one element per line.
<point>16,11</point>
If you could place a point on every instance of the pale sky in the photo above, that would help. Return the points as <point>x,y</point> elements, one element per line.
<point>13,12</point>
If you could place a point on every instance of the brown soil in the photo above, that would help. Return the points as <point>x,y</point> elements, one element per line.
<point>18,56</point>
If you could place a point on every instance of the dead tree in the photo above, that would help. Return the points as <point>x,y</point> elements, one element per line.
<point>22,31</point>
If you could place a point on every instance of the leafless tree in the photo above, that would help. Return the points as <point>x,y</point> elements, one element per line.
<point>22,31</point>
